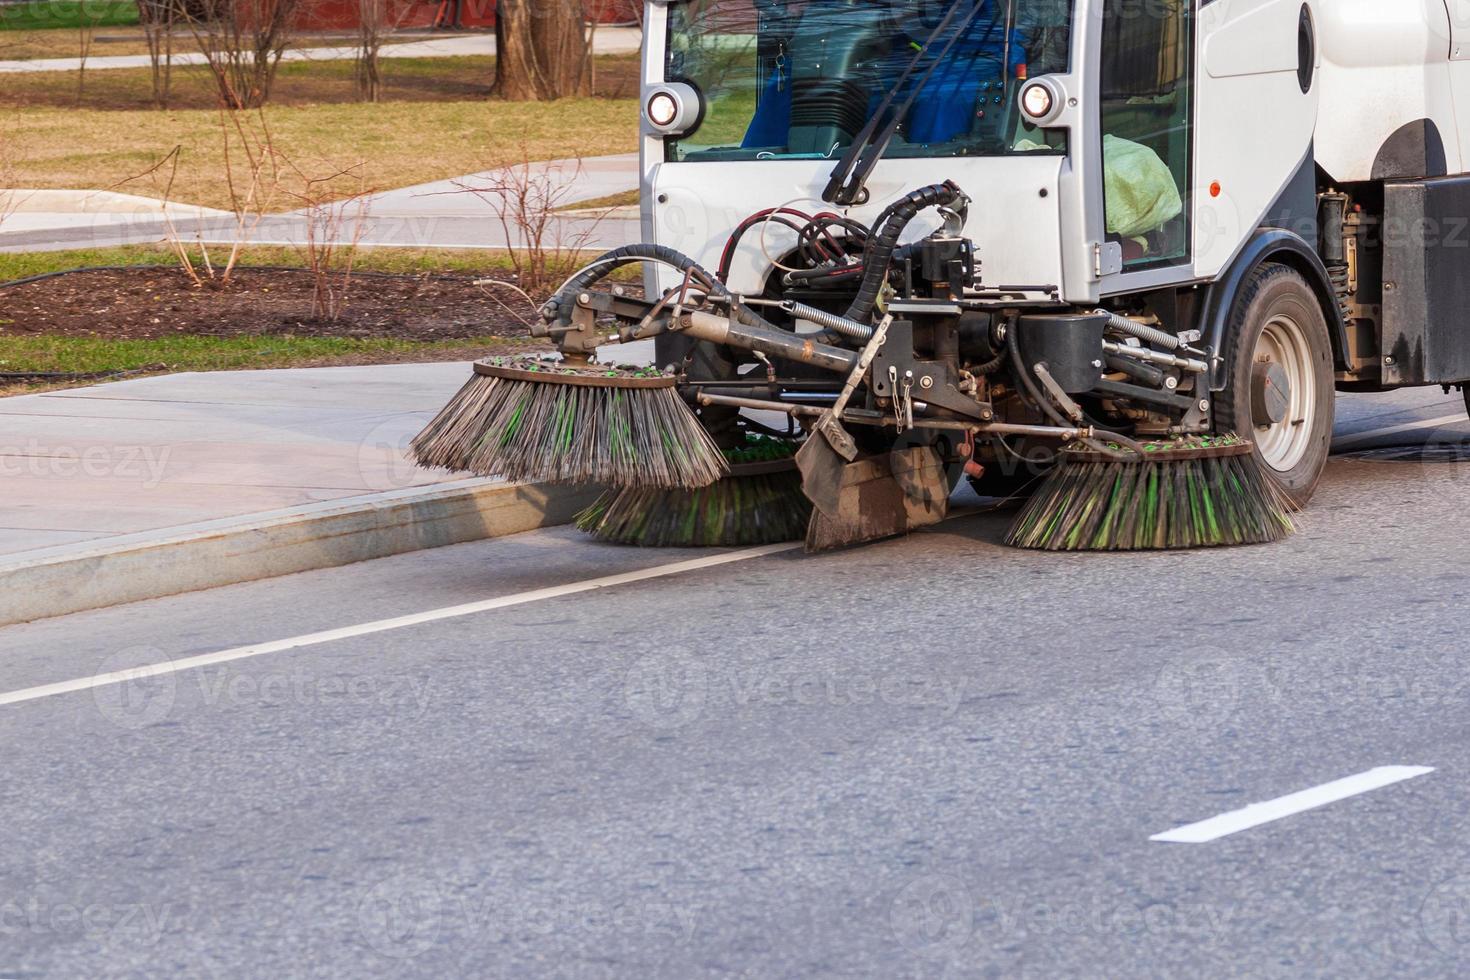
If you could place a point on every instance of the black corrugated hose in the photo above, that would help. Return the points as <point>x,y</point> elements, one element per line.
<point>886,229</point>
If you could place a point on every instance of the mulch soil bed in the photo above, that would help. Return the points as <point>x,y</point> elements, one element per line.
<point>138,304</point>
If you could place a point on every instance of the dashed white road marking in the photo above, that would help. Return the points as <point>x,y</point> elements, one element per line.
<point>384,625</point>
<point>1358,438</point>
<point>1284,806</point>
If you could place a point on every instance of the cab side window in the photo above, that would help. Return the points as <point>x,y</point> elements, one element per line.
<point>1147,111</point>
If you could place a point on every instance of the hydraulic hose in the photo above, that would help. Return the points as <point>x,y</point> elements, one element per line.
<point>886,231</point>
<point>566,296</point>
<point>605,264</point>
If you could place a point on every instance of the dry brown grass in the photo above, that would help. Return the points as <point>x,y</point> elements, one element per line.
<point>402,143</point>
<point>62,43</point>
<point>298,83</point>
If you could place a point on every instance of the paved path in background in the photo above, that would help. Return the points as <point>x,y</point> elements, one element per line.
<point>441,214</point>
<point>608,40</point>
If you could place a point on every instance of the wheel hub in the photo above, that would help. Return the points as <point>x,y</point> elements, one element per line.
<point>1270,393</point>
<point>1282,393</point>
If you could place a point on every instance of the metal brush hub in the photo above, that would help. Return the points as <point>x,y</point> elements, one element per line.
<point>589,377</point>
<point>1159,452</point>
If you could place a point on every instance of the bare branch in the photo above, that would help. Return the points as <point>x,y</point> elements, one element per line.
<point>544,246</point>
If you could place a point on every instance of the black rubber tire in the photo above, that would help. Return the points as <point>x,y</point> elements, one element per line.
<point>1278,290</point>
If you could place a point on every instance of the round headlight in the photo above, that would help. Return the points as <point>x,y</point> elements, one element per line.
<point>1037,101</point>
<point>672,108</point>
<point>663,109</point>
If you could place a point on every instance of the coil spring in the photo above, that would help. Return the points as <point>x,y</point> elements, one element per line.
<point>1340,288</point>
<point>1142,331</point>
<point>832,321</point>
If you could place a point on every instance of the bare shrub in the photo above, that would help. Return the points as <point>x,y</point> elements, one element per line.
<point>378,20</point>
<point>10,197</point>
<point>242,42</point>
<point>335,211</point>
<point>158,19</point>
<point>545,247</point>
<point>86,36</point>
<point>254,170</point>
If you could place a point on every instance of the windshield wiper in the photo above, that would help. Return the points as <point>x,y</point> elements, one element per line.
<point>845,185</point>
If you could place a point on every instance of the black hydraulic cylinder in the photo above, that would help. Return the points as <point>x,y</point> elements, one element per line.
<point>1139,394</point>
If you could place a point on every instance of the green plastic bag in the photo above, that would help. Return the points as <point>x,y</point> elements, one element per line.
<point>1141,192</point>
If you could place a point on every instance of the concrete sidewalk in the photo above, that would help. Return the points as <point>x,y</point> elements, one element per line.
<point>88,463</point>
<point>607,40</point>
<point>156,486</point>
<point>440,214</point>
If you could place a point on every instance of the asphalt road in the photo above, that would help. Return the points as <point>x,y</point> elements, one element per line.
<point>928,757</point>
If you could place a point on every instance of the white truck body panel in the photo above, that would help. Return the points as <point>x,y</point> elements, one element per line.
<point>1385,65</point>
<point>1247,83</point>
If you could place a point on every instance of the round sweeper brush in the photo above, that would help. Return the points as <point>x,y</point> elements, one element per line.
<point>533,420</point>
<point>1184,493</point>
<point>760,502</point>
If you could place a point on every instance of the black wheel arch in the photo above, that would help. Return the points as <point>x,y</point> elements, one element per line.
<point>1285,248</point>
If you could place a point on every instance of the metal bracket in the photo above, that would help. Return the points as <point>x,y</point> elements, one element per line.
<point>936,383</point>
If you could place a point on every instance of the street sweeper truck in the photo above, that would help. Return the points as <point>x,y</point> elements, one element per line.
<point>1112,255</point>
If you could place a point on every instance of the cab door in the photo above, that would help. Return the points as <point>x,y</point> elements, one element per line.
<point>1459,29</point>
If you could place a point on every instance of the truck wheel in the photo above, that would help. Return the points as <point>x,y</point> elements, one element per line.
<point>1279,386</point>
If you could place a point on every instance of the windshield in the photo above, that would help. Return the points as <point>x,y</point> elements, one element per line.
<point>799,79</point>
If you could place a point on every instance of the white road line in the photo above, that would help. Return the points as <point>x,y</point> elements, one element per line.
<point>383,625</point>
<point>1284,806</point>
<point>1358,438</point>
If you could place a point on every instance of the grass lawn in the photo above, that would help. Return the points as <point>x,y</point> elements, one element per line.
<point>63,43</point>
<point>618,200</point>
<point>40,15</point>
<point>391,144</point>
<point>298,83</point>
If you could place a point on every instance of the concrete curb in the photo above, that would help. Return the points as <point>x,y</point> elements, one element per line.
<point>128,568</point>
